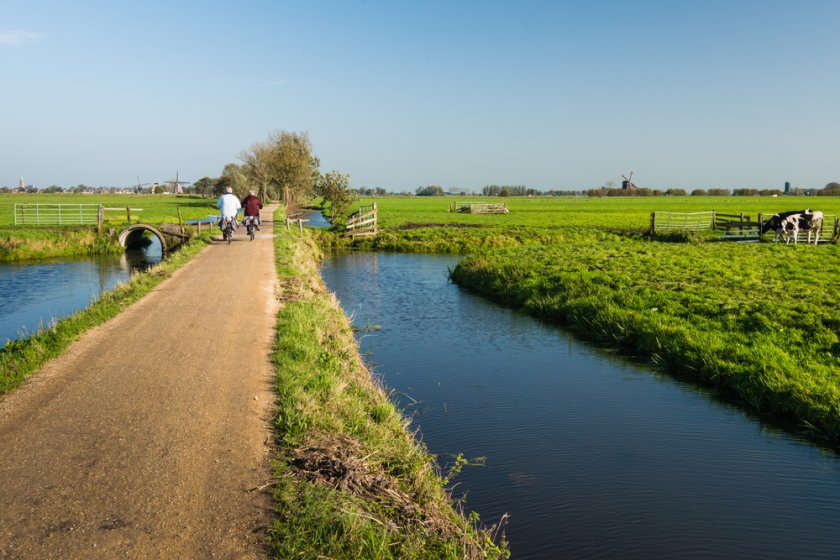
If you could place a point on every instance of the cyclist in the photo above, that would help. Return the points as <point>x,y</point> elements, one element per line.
<point>228,206</point>
<point>252,205</point>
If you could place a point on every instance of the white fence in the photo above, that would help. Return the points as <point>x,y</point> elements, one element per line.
<point>58,214</point>
<point>364,222</point>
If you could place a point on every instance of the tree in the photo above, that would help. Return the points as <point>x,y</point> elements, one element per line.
<point>675,192</point>
<point>283,167</point>
<point>257,168</point>
<point>336,190</point>
<point>206,186</point>
<point>431,190</point>
<point>831,189</point>
<point>233,177</point>
<point>698,192</point>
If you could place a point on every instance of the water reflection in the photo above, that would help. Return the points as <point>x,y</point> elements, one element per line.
<point>316,219</point>
<point>35,295</point>
<point>592,456</point>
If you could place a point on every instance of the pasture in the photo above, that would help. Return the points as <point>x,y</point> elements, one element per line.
<point>631,213</point>
<point>759,321</point>
<point>155,208</point>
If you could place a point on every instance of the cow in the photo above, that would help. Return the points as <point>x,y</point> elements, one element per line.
<point>789,228</point>
<point>775,222</point>
<point>811,222</point>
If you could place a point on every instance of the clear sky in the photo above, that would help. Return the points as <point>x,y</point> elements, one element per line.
<point>401,94</point>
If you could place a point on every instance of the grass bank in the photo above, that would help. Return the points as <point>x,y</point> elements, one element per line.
<point>756,320</point>
<point>23,244</point>
<point>352,481</point>
<point>20,358</point>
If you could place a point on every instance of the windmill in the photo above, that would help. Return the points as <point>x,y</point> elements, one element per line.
<point>627,183</point>
<point>177,184</point>
<point>138,188</point>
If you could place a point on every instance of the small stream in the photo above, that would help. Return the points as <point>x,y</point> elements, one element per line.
<point>591,455</point>
<point>34,295</point>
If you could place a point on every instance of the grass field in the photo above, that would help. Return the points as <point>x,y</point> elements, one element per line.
<point>759,321</point>
<point>610,212</point>
<point>33,242</point>
<point>424,224</point>
<point>155,208</point>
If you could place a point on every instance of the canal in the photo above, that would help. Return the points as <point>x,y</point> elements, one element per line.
<point>34,295</point>
<point>590,455</point>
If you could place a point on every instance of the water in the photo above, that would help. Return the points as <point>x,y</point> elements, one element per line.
<point>316,219</point>
<point>592,456</point>
<point>34,295</point>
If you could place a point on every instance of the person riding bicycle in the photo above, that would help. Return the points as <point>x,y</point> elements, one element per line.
<point>252,205</point>
<point>228,206</point>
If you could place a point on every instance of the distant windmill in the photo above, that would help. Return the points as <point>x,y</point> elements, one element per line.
<point>138,188</point>
<point>177,184</point>
<point>627,183</point>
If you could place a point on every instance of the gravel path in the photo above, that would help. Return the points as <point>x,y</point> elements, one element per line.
<point>147,438</point>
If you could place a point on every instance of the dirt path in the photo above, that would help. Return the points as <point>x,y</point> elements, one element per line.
<point>145,439</point>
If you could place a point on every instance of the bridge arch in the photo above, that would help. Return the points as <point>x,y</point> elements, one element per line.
<point>132,236</point>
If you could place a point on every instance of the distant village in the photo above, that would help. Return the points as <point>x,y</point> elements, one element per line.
<point>176,186</point>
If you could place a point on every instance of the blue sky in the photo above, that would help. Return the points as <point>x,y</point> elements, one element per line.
<point>563,95</point>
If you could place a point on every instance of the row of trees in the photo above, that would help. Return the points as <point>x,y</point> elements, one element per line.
<point>282,168</point>
<point>509,190</point>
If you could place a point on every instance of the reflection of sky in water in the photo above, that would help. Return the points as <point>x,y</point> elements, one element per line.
<point>592,456</point>
<point>34,295</point>
<point>317,219</point>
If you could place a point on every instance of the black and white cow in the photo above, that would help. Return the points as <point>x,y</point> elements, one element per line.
<point>774,222</point>
<point>809,221</point>
<point>813,224</point>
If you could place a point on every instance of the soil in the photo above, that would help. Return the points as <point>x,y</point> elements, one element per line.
<point>150,437</point>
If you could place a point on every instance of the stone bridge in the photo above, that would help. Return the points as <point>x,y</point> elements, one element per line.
<point>170,235</point>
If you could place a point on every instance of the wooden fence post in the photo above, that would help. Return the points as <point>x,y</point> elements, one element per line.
<point>100,217</point>
<point>713,220</point>
<point>128,214</point>
<point>300,225</point>
<point>652,224</point>
<point>180,220</point>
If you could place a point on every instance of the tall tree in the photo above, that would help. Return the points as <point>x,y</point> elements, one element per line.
<point>283,167</point>
<point>335,188</point>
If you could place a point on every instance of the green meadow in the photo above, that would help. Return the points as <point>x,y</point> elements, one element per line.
<point>758,321</point>
<point>632,213</point>
<point>156,209</point>
<point>32,242</point>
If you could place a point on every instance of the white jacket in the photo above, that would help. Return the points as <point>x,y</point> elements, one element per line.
<point>228,204</point>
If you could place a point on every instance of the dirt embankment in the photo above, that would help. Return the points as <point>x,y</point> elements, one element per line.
<point>149,436</point>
